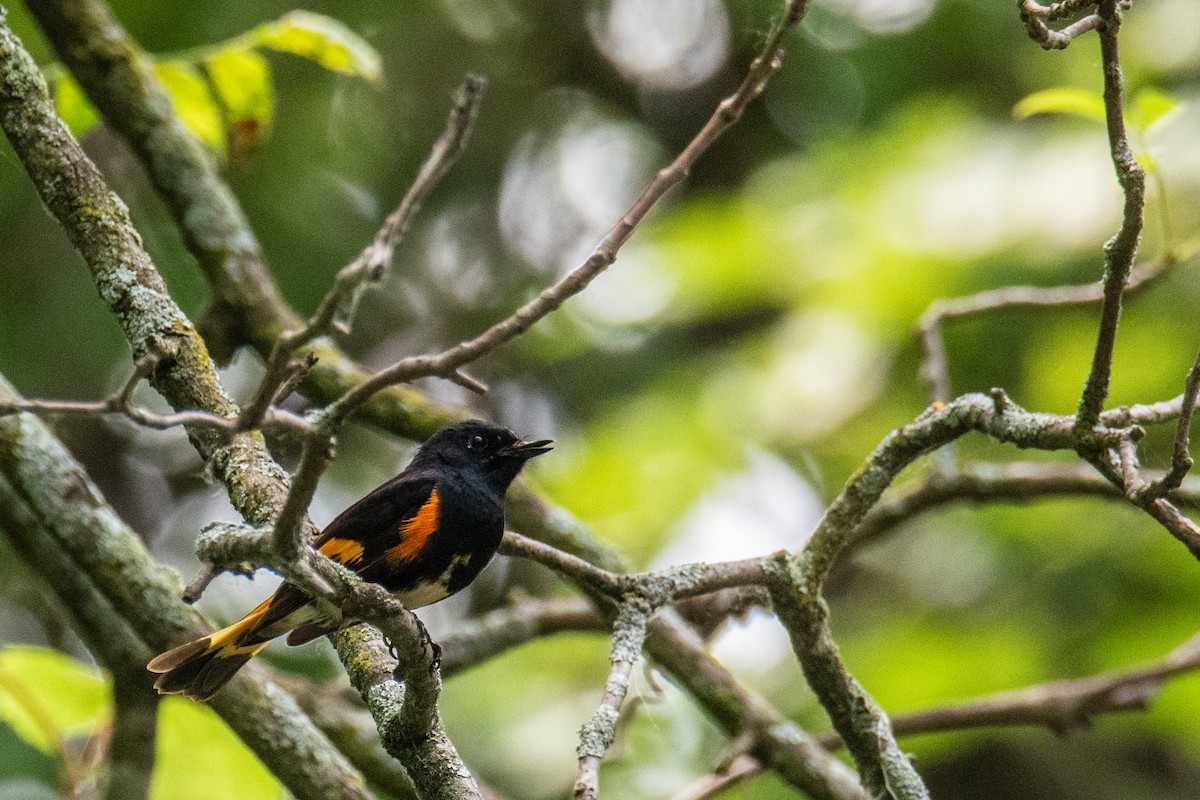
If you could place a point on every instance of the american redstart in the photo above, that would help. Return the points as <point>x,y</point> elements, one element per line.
<point>423,536</point>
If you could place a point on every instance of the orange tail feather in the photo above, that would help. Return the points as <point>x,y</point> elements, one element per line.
<point>201,667</point>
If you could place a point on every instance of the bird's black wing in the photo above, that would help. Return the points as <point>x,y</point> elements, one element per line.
<point>372,538</point>
<point>386,530</point>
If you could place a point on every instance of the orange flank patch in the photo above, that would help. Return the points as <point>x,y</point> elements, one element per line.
<point>415,532</point>
<point>343,551</point>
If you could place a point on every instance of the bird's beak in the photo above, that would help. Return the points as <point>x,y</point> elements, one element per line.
<point>527,450</point>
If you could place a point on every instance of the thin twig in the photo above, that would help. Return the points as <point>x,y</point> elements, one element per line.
<point>1018,482</point>
<point>728,112</point>
<point>1181,460</point>
<point>934,367</point>
<point>1119,252</point>
<point>370,265</point>
<point>1059,705</point>
<point>292,530</point>
<point>740,770</point>
<point>597,735</point>
<point>1036,16</point>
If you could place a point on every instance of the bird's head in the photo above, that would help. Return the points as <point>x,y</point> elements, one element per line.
<point>496,451</point>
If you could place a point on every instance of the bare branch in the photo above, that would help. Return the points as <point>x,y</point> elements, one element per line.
<point>1119,251</point>
<point>477,640</point>
<point>121,402</point>
<point>597,735</point>
<point>336,308</point>
<point>1181,461</point>
<point>740,770</point>
<point>728,112</point>
<point>1035,16</point>
<point>978,483</point>
<point>934,367</point>
<point>1059,705</point>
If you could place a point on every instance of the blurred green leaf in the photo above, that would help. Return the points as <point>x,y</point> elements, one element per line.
<point>1061,100</point>
<point>1148,107</point>
<point>46,696</point>
<point>242,81</point>
<point>322,40</point>
<point>194,102</point>
<point>72,104</point>
<point>199,757</point>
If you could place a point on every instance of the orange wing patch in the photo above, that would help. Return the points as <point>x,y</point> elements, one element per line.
<point>344,551</point>
<point>415,532</point>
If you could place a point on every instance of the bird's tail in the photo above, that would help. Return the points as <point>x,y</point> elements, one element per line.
<point>201,667</point>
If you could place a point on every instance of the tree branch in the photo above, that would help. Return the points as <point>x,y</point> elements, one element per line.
<point>98,224</point>
<point>1017,482</point>
<point>598,733</point>
<point>934,368</point>
<point>1181,460</point>
<point>477,640</point>
<point>126,606</point>
<point>1058,705</point>
<point>134,729</point>
<point>1120,251</point>
<point>436,774</point>
<point>728,112</point>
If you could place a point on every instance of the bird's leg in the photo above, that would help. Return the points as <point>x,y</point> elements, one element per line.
<point>427,642</point>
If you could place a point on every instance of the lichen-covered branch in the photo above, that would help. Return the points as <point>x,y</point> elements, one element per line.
<point>126,606</point>
<point>98,224</point>
<point>1120,251</point>
<point>799,580</point>
<point>598,733</point>
<point>118,78</point>
<point>435,774</point>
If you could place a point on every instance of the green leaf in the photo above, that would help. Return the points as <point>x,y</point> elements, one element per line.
<point>1148,107</point>
<point>46,696</point>
<point>194,102</point>
<point>322,40</point>
<point>242,81</point>
<point>198,756</point>
<point>72,104</point>
<point>1061,100</point>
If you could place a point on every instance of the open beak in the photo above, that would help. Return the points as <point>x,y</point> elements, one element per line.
<point>527,450</point>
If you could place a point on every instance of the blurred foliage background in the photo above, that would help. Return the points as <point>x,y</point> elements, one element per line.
<point>710,393</point>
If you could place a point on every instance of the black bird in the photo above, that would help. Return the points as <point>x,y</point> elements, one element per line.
<point>423,536</point>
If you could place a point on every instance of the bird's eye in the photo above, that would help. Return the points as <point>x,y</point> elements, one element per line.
<point>476,442</point>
